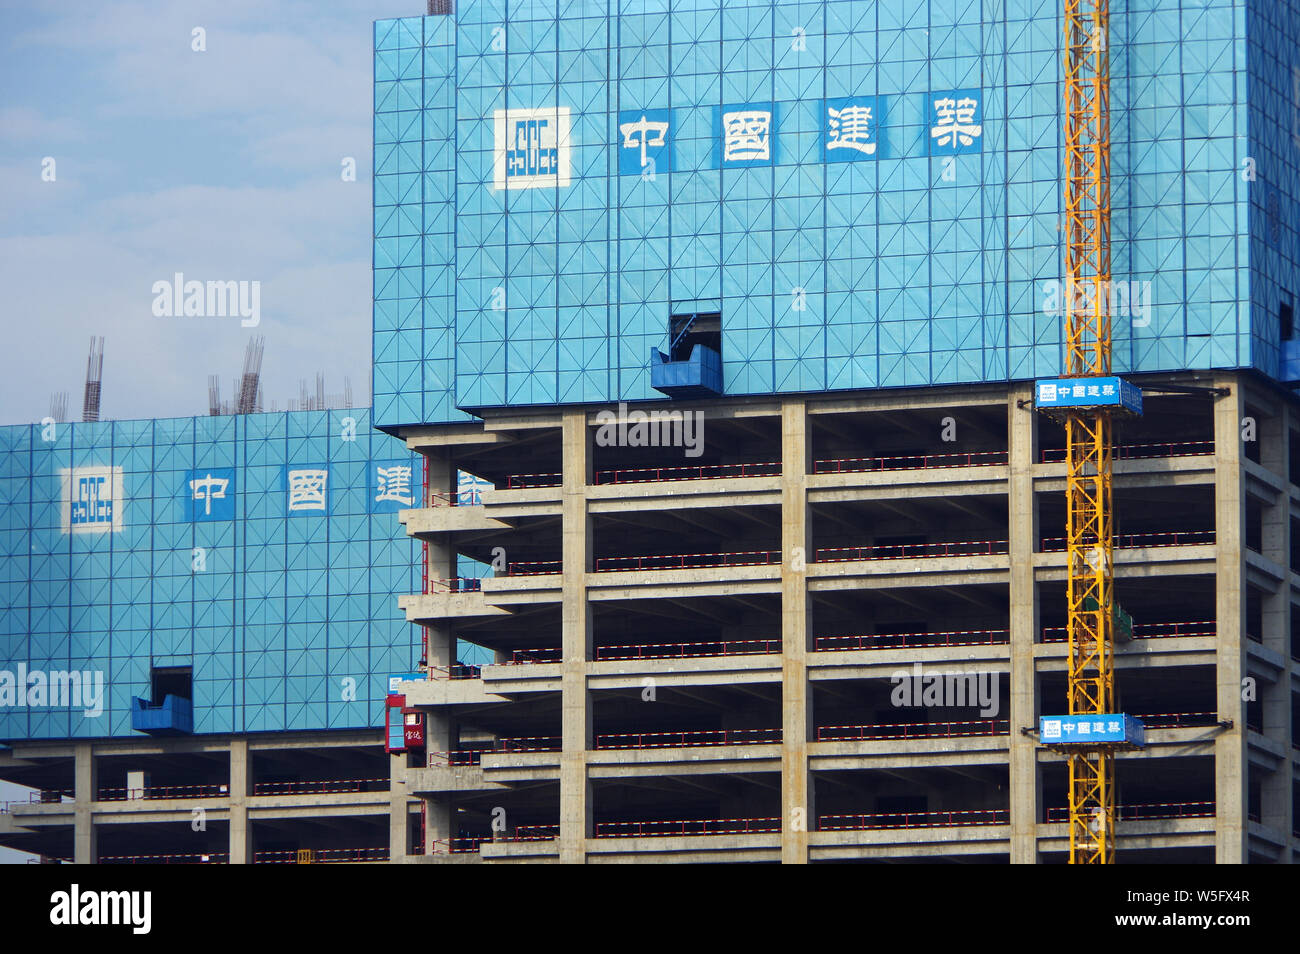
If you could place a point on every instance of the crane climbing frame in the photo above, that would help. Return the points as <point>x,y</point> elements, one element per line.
<point>1089,498</point>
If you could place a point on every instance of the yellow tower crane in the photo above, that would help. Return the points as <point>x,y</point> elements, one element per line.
<point>1087,398</point>
<point>1089,517</point>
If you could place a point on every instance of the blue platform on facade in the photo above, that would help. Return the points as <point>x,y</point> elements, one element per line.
<point>174,717</point>
<point>698,376</point>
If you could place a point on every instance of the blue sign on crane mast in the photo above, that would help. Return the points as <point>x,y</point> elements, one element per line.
<point>1088,392</point>
<point>1114,729</point>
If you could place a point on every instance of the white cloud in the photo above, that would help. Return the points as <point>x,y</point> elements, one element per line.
<point>223,165</point>
<point>300,243</point>
<point>28,126</point>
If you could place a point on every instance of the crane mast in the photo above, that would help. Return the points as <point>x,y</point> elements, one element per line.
<point>1089,514</point>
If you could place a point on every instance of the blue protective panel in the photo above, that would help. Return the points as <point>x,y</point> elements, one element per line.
<point>128,545</point>
<point>870,192</point>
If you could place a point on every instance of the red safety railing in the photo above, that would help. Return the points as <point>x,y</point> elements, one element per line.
<point>716,647</point>
<point>456,671</point>
<point>695,826</point>
<point>647,475</point>
<point>913,730</point>
<point>470,844</point>
<point>458,757</point>
<point>424,544</point>
<point>681,650</point>
<point>457,498</point>
<point>460,845</point>
<point>1177,720</point>
<point>1128,541</point>
<point>700,737</point>
<point>190,858</point>
<point>522,481</point>
<point>655,561</point>
<point>1149,812</point>
<point>321,786</point>
<point>322,856</point>
<point>163,791</point>
<point>48,796</point>
<point>957,819</point>
<point>911,551</point>
<point>1058,634</point>
<point>532,568</point>
<point>472,753</point>
<point>978,637</point>
<point>854,465</point>
<point>687,561</point>
<point>457,584</point>
<point>547,654</point>
<point>533,833</point>
<point>1056,455</point>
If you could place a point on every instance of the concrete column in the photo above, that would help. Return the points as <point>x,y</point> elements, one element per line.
<point>84,848</point>
<point>575,717</point>
<point>1230,608</point>
<point>398,809</point>
<point>441,735</point>
<point>1272,440</point>
<point>1022,526</point>
<point>1279,806</point>
<point>241,831</point>
<point>798,813</point>
<point>440,655</point>
<point>1275,787</point>
<point>439,824</point>
<point>440,640</point>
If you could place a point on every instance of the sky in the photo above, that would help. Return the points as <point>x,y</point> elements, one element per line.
<point>222,164</point>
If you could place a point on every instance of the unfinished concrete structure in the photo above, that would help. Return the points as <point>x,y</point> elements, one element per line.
<point>282,798</point>
<point>237,645</point>
<point>696,657</point>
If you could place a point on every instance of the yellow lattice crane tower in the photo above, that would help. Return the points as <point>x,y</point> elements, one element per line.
<point>1089,524</point>
<point>1086,399</point>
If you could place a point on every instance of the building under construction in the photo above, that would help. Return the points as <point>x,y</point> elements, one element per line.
<point>199,619</point>
<point>689,688</point>
<point>739,312</point>
<point>853,431</point>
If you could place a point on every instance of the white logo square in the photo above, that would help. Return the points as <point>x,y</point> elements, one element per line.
<point>532,148</point>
